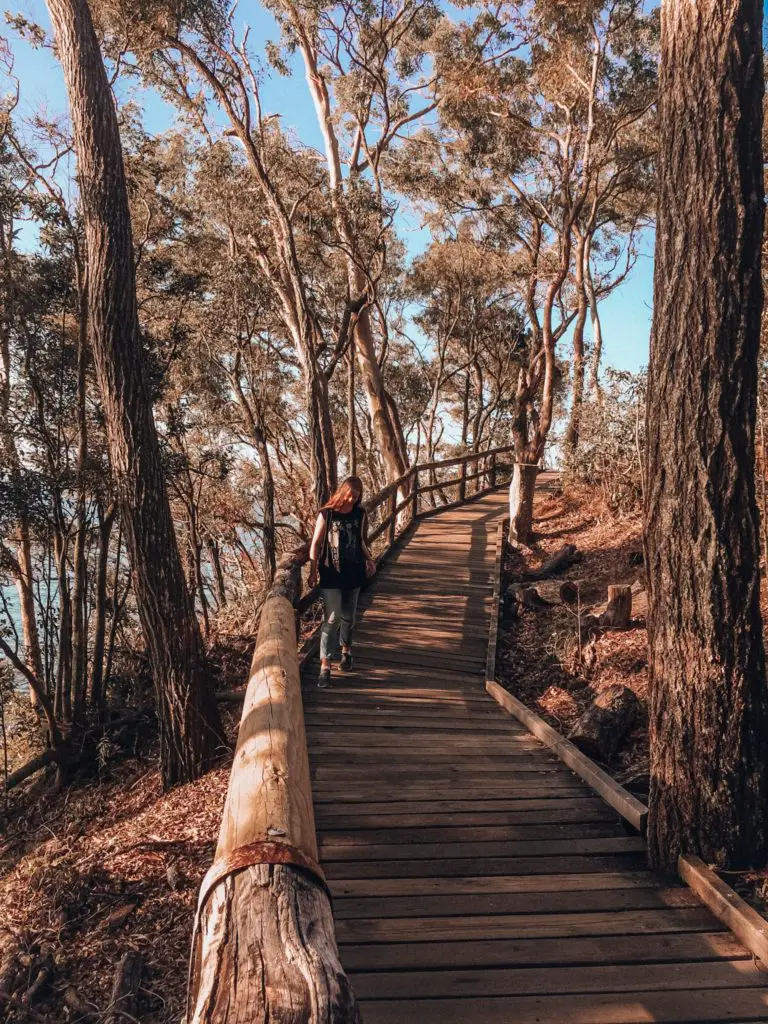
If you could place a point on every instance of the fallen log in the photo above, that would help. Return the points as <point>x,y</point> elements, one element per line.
<point>124,1000</point>
<point>264,947</point>
<point>601,730</point>
<point>567,556</point>
<point>35,765</point>
<point>529,597</point>
<point>618,611</point>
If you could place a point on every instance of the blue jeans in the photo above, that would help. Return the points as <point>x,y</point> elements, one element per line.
<point>340,607</point>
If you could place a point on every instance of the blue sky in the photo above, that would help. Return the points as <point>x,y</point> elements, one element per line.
<point>625,315</point>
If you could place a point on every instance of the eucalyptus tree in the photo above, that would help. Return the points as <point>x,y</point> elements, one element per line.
<point>189,726</point>
<point>546,148</point>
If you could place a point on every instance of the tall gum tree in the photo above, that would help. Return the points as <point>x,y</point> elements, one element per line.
<point>189,725</point>
<point>544,149</point>
<point>709,701</point>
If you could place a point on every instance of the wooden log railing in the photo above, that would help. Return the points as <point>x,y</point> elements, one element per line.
<point>264,947</point>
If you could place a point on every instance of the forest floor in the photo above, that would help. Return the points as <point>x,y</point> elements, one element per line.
<point>108,865</point>
<point>541,659</point>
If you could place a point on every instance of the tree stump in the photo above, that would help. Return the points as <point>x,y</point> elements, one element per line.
<point>619,609</point>
<point>603,727</point>
<point>124,1001</point>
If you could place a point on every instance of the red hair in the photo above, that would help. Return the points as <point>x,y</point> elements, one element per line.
<point>348,494</point>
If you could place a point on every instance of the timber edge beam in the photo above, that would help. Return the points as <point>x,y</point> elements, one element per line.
<point>620,799</point>
<point>749,927</point>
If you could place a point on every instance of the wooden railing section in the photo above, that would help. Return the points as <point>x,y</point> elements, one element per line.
<point>264,947</point>
<point>427,488</point>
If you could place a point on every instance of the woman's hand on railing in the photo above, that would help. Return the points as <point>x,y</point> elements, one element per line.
<point>370,567</point>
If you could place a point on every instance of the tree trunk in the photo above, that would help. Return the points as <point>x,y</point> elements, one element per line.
<point>321,436</point>
<point>106,521</point>
<point>597,331</point>
<point>351,417</point>
<point>189,723</point>
<point>32,654</point>
<point>709,705</point>
<point>577,397</point>
<point>522,491</point>
<point>79,631</point>
<point>384,426</point>
<point>63,695</point>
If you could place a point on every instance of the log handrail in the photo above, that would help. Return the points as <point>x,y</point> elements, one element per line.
<point>264,943</point>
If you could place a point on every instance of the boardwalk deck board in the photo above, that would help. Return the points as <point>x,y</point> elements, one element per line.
<point>476,878</point>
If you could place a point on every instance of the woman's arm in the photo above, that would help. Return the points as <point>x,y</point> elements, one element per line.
<point>314,551</point>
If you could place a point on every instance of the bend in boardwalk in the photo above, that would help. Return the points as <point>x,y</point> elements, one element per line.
<point>475,878</point>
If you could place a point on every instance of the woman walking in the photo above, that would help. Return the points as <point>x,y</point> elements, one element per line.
<point>341,559</point>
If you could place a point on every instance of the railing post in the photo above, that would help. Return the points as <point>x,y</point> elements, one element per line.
<point>392,517</point>
<point>492,481</point>
<point>415,496</point>
<point>463,482</point>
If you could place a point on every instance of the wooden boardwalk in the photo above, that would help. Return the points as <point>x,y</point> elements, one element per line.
<point>475,878</point>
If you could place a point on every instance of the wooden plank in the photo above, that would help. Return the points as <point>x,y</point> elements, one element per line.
<point>745,922</point>
<point>483,884</point>
<point>328,769</point>
<point>697,1006</point>
<point>595,949</point>
<point>329,818</point>
<point>445,867</point>
<point>410,852</point>
<point>470,834</point>
<point>524,926</point>
<point>540,903</point>
<point>557,980</point>
<point>620,799</point>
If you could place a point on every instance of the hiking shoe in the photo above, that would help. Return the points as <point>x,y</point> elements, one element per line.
<point>346,661</point>
<point>324,679</point>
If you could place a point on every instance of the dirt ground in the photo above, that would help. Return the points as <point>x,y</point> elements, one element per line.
<point>541,660</point>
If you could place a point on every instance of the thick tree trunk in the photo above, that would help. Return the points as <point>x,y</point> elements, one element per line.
<point>709,706</point>
<point>189,723</point>
<point>321,436</point>
<point>522,491</point>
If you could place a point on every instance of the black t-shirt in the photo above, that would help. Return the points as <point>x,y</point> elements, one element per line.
<point>342,565</point>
